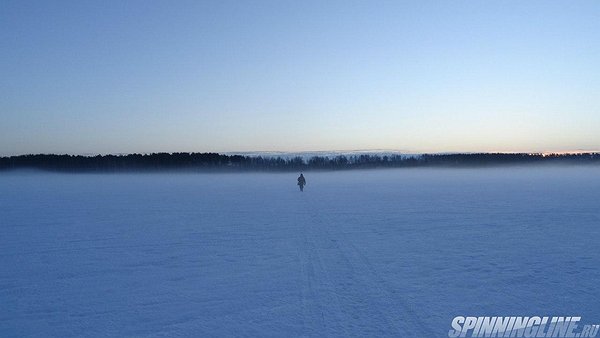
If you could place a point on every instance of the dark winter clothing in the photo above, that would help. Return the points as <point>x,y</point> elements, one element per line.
<point>301,182</point>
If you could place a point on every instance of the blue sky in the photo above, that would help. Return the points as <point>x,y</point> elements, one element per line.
<point>424,76</point>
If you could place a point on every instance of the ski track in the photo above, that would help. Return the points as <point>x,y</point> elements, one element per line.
<point>322,308</point>
<point>371,306</point>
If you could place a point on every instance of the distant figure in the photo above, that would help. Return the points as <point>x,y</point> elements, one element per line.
<point>301,182</point>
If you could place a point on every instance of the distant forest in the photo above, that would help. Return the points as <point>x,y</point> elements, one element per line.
<point>219,162</point>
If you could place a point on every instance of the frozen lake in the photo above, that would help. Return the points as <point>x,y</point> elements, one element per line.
<point>359,253</point>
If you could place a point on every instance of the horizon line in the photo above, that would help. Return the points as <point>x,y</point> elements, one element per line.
<point>309,152</point>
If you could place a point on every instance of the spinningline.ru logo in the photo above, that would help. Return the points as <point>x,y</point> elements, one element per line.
<point>536,326</point>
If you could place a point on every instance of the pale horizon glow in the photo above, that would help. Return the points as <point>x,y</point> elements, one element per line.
<point>107,77</point>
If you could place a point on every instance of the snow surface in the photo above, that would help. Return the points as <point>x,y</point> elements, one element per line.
<point>359,253</point>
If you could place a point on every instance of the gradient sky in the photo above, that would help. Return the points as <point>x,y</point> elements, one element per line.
<point>89,77</point>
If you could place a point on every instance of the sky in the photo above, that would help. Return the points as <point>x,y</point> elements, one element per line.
<point>88,77</point>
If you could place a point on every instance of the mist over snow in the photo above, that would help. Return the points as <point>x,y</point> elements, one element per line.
<point>368,253</point>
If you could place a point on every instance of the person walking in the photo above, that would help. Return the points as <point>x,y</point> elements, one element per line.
<point>301,182</point>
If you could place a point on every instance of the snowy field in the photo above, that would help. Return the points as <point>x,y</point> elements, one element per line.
<point>359,253</point>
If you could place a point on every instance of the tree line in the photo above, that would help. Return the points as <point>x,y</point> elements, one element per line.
<point>221,162</point>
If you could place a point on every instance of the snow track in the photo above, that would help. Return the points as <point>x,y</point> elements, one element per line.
<point>363,302</point>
